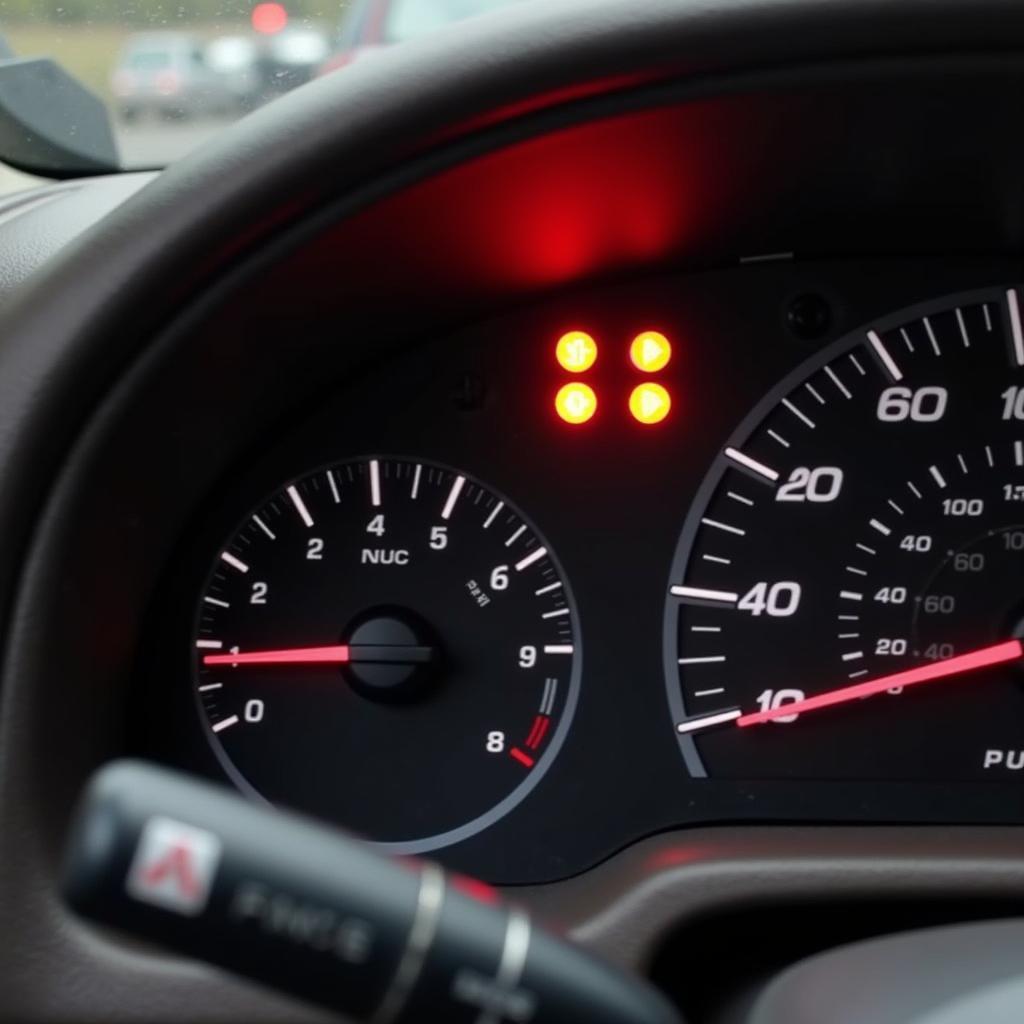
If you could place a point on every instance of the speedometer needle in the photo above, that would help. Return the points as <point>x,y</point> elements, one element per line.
<point>984,657</point>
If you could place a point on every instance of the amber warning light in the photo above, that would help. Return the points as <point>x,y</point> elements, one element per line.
<point>576,402</point>
<point>649,402</point>
<point>576,352</point>
<point>650,351</point>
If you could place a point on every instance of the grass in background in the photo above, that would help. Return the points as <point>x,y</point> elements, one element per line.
<point>87,51</point>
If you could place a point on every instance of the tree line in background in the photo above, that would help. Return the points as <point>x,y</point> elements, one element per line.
<point>155,13</point>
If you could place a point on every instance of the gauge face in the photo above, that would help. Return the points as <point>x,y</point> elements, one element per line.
<point>847,597</point>
<point>390,645</point>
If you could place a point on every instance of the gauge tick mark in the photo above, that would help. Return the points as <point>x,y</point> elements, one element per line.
<point>515,536</point>
<point>798,414</point>
<point>734,455</point>
<point>1015,327</point>
<point>375,483</point>
<point>300,506</point>
<point>963,327</point>
<point>715,524</point>
<point>843,389</point>
<point>453,497</point>
<point>703,594</point>
<point>534,556</point>
<point>263,526</point>
<point>708,721</point>
<point>235,563</point>
<point>884,357</point>
<point>494,514</point>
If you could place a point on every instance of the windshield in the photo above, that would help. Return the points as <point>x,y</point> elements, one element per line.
<point>408,19</point>
<point>148,60</point>
<point>169,76</point>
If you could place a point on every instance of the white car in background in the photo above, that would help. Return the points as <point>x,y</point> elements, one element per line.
<point>166,74</point>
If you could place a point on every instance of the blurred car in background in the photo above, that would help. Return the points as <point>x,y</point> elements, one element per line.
<point>368,24</point>
<point>166,74</point>
<point>236,59</point>
<point>292,57</point>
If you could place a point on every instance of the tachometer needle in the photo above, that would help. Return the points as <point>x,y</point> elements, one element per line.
<point>997,654</point>
<point>341,654</point>
<point>337,655</point>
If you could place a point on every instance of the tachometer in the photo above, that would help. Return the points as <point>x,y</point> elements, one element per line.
<point>388,644</point>
<point>847,597</point>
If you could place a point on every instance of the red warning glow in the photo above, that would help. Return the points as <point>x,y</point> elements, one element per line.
<point>269,18</point>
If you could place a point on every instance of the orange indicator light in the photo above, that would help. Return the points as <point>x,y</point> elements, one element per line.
<point>576,351</point>
<point>575,402</point>
<point>649,402</point>
<point>650,352</point>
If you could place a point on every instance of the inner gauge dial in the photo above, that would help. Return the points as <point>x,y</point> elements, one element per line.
<point>847,598</point>
<point>388,644</point>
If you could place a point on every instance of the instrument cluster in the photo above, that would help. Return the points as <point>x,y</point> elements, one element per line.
<point>739,546</point>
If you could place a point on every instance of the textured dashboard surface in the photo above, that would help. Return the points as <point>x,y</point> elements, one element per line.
<point>38,223</point>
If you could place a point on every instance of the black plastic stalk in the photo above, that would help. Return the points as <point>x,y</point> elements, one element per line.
<point>305,909</point>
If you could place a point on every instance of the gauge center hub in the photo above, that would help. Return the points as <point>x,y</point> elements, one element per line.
<point>393,655</point>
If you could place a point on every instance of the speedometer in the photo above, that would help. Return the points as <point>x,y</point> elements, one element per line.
<point>847,595</point>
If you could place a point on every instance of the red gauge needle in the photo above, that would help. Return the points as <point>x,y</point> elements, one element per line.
<point>342,654</point>
<point>997,654</point>
<point>338,655</point>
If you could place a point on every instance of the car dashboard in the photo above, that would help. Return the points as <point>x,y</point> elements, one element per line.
<point>617,497</point>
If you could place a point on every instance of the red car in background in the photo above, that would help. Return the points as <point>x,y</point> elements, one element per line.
<point>368,24</point>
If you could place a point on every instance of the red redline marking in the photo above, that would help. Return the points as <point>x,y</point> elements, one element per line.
<point>531,740</point>
<point>521,757</point>
<point>533,730</point>
<point>337,655</point>
<point>985,657</point>
<point>538,732</point>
